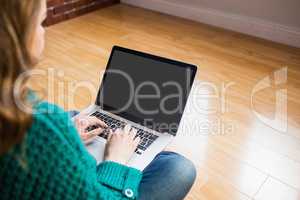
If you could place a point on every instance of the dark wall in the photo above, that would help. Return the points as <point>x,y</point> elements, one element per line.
<point>60,10</point>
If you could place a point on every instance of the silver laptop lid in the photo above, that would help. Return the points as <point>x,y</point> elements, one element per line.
<point>146,89</point>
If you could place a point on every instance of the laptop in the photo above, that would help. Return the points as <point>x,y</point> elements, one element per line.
<point>145,91</point>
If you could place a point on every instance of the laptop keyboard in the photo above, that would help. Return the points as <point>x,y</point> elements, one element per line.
<point>147,138</point>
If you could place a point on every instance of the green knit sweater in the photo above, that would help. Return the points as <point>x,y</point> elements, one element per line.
<point>52,163</point>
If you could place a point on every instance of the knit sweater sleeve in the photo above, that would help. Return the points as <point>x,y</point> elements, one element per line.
<point>109,180</point>
<point>120,178</point>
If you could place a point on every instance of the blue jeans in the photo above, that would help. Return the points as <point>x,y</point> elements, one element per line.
<point>169,176</point>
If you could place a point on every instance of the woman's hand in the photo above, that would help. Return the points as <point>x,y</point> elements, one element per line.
<point>82,122</point>
<point>121,145</point>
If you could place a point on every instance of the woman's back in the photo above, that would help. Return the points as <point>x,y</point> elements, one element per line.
<point>52,163</point>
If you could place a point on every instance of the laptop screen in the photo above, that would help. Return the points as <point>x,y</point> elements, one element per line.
<point>146,89</point>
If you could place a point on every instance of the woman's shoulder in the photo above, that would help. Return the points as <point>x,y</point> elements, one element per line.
<point>48,114</point>
<point>46,108</point>
<point>51,121</point>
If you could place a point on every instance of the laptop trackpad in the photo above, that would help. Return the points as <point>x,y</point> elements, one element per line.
<point>96,148</point>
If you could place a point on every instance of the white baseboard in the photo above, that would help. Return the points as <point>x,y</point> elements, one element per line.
<point>243,24</point>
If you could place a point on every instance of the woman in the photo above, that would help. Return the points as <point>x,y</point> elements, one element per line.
<point>41,154</point>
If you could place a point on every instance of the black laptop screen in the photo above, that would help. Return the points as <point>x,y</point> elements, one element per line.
<point>146,89</point>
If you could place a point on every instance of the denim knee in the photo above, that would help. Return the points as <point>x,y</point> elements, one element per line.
<point>169,176</point>
<point>182,169</point>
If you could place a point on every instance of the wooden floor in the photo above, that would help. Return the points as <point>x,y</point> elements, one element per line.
<point>250,160</point>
